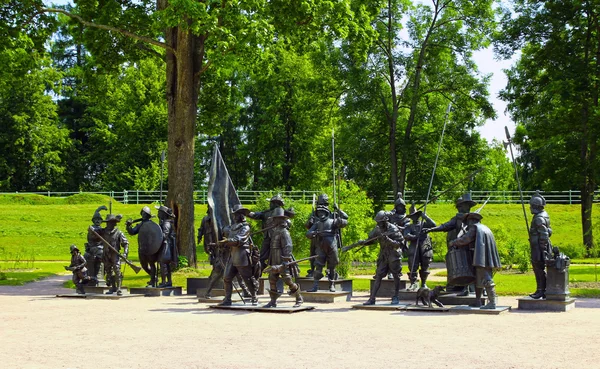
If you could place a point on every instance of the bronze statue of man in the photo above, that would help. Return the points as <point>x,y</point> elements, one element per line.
<point>265,216</point>
<point>112,262</point>
<point>539,242</point>
<point>149,237</point>
<point>389,259</point>
<point>239,263</point>
<point>78,268</point>
<point>420,250</point>
<point>325,231</point>
<point>322,201</point>
<point>169,256</point>
<point>218,255</point>
<point>281,253</point>
<point>484,253</point>
<point>94,248</point>
<point>455,227</point>
<point>397,216</point>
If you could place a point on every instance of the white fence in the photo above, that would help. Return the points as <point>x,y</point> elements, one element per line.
<point>252,197</point>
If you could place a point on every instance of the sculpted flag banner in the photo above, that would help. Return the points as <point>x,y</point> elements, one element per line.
<point>221,193</point>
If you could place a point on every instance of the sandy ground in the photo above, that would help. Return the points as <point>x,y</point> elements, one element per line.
<point>38,330</point>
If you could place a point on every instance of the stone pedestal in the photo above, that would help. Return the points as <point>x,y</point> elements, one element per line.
<point>421,308</point>
<point>386,289</point>
<point>100,290</point>
<point>454,299</point>
<point>463,309</point>
<point>200,283</point>
<point>385,306</point>
<point>527,303</point>
<point>341,285</point>
<point>261,309</point>
<point>326,296</point>
<point>407,295</point>
<point>156,291</point>
<point>557,284</point>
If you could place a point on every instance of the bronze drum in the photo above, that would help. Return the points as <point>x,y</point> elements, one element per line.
<point>460,268</point>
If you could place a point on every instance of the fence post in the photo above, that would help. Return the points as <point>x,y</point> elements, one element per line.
<point>570,202</point>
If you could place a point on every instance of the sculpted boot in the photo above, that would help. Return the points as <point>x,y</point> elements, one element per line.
<point>423,276</point>
<point>491,292</point>
<point>298,296</point>
<point>477,303</point>
<point>332,277</point>
<point>540,279</point>
<point>315,287</point>
<point>274,296</point>
<point>228,290</point>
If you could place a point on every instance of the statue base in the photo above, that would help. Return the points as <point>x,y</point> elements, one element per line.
<point>326,297</point>
<point>100,290</point>
<point>454,299</point>
<point>382,306</point>
<point>465,309</point>
<point>386,288</point>
<point>341,285</point>
<point>407,295</point>
<point>527,303</point>
<point>99,296</point>
<point>422,308</point>
<point>261,309</point>
<point>200,283</point>
<point>157,291</point>
<point>218,299</point>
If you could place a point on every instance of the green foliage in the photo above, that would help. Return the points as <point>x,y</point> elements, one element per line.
<point>182,262</point>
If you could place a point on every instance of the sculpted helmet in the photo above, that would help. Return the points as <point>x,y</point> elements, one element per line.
<point>381,217</point>
<point>277,199</point>
<point>168,211</point>
<point>537,200</point>
<point>146,210</point>
<point>73,247</point>
<point>323,200</point>
<point>97,214</point>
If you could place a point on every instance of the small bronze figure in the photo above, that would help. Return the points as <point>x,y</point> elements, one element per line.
<point>265,216</point>
<point>239,263</point>
<point>429,296</point>
<point>539,242</point>
<point>169,256</point>
<point>389,259</point>
<point>322,201</point>
<point>325,231</point>
<point>150,241</point>
<point>455,227</point>
<point>484,254</point>
<point>420,251</point>
<point>218,255</point>
<point>281,252</point>
<point>94,248</point>
<point>78,268</point>
<point>112,262</point>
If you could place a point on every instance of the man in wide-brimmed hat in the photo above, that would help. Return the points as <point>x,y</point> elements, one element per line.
<point>455,227</point>
<point>239,263</point>
<point>78,268</point>
<point>112,262</point>
<point>482,245</point>
<point>389,259</point>
<point>265,216</point>
<point>420,251</point>
<point>281,252</point>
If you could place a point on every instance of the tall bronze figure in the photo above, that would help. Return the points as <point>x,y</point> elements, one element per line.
<point>265,216</point>
<point>280,254</point>
<point>420,250</point>
<point>168,255</point>
<point>239,263</point>
<point>78,268</point>
<point>322,202</point>
<point>150,241</point>
<point>218,255</point>
<point>539,242</point>
<point>389,259</point>
<point>484,254</point>
<point>112,262</point>
<point>325,231</point>
<point>455,227</point>
<point>94,248</point>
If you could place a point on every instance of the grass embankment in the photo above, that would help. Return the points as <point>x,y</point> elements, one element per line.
<point>36,228</point>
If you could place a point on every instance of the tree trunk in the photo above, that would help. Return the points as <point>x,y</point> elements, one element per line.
<point>182,105</point>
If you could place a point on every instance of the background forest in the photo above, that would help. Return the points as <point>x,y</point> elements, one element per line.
<point>91,94</point>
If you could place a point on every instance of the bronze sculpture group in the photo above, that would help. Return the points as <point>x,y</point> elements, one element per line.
<point>472,256</point>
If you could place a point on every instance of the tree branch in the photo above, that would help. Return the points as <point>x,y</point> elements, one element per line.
<point>108,28</point>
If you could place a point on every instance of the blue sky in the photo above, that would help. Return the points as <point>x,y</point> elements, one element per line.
<point>492,129</point>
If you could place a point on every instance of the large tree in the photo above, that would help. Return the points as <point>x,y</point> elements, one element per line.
<point>195,37</point>
<point>553,95</point>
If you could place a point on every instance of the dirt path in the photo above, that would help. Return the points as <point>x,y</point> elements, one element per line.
<point>38,330</point>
